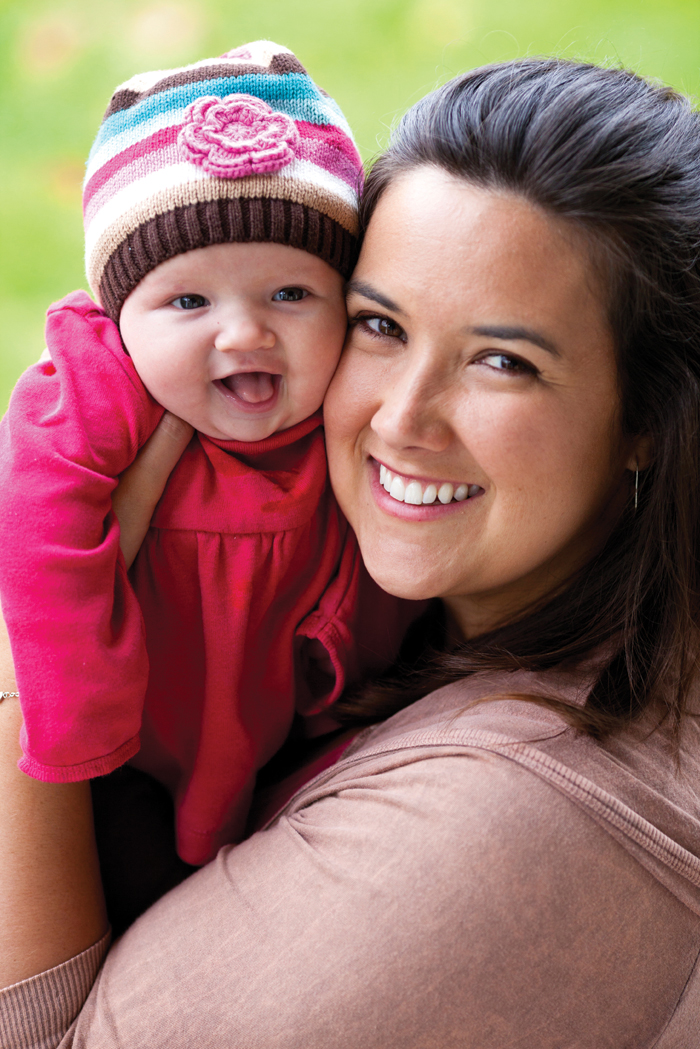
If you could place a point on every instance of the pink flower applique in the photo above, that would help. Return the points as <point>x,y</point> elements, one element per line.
<point>237,136</point>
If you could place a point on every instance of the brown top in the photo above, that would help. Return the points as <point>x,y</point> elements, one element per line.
<point>461,878</point>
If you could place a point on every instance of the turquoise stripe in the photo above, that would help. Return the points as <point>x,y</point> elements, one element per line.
<point>306,104</point>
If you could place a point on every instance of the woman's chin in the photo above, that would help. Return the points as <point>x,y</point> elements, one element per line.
<point>407,580</point>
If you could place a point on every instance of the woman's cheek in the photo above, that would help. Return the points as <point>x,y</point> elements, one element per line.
<point>352,397</point>
<point>525,438</point>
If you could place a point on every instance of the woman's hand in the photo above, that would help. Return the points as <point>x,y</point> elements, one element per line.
<point>141,486</point>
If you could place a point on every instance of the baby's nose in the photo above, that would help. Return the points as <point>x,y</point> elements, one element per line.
<point>244,333</point>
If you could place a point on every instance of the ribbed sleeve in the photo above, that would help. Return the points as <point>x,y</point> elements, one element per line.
<point>36,1013</point>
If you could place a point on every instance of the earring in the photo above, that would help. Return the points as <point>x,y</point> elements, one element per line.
<point>636,489</point>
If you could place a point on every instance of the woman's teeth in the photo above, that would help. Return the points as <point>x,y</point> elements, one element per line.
<point>405,491</point>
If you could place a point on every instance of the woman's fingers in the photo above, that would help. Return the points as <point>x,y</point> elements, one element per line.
<point>141,486</point>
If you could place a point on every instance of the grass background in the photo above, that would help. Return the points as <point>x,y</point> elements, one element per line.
<point>60,62</point>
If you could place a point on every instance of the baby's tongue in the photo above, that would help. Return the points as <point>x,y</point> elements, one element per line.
<point>251,386</point>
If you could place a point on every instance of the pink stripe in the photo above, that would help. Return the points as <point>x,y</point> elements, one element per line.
<point>124,174</point>
<point>333,136</point>
<point>144,162</point>
<point>165,137</point>
<point>335,141</point>
<point>330,159</point>
<point>326,147</point>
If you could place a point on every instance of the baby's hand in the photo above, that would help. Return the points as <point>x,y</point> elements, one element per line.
<point>141,486</point>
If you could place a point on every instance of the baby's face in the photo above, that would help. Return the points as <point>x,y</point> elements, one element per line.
<point>240,340</point>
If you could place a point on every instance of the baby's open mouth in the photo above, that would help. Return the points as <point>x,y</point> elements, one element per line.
<point>252,387</point>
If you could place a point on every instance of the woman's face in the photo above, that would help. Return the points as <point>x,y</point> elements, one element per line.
<point>479,362</point>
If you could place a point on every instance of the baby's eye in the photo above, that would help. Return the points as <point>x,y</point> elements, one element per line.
<point>503,362</point>
<point>190,302</point>
<point>384,326</point>
<point>289,295</point>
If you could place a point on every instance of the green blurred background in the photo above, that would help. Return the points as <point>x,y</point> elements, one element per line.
<point>61,61</point>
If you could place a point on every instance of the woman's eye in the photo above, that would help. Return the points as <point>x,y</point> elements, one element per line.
<point>289,295</point>
<point>503,362</point>
<point>190,302</point>
<point>384,326</point>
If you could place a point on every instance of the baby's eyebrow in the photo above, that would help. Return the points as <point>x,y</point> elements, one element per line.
<point>361,287</point>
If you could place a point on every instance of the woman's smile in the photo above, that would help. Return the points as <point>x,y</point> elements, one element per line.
<point>418,498</point>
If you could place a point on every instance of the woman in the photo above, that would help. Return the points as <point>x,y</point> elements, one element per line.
<point>511,860</point>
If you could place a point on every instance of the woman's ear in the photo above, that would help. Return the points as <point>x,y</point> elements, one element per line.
<point>642,453</point>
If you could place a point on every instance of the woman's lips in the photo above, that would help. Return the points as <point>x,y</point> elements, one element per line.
<point>418,498</point>
<point>251,391</point>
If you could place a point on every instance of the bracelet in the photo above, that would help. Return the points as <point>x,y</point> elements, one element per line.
<point>8,695</point>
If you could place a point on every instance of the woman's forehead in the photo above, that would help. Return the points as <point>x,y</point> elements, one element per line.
<point>449,215</point>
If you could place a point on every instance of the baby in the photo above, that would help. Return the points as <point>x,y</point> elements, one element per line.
<point>220,207</point>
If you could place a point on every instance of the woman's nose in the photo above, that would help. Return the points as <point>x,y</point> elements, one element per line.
<point>243,331</point>
<point>414,410</point>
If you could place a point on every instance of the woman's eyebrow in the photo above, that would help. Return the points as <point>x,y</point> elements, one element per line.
<point>360,287</point>
<point>490,331</point>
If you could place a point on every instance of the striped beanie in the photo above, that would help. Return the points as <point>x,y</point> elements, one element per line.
<point>239,148</point>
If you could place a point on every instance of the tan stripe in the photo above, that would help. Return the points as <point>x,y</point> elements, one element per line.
<point>269,186</point>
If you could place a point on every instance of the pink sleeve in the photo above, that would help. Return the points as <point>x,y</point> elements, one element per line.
<point>73,425</point>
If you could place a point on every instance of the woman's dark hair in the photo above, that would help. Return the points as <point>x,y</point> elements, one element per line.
<point>619,159</point>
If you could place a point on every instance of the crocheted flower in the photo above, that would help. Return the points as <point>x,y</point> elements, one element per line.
<point>237,136</point>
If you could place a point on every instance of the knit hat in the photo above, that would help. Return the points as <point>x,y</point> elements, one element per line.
<point>239,148</point>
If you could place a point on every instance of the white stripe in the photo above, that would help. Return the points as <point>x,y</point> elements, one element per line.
<point>137,192</point>
<point>182,174</point>
<point>307,171</point>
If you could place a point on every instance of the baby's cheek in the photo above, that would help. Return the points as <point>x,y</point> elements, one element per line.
<point>308,394</point>
<point>178,390</point>
<point>317,375</point>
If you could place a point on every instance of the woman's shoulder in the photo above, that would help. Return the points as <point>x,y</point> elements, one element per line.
<point>633,785</point>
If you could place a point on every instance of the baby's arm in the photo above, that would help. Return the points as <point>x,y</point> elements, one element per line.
<point>74,424</point>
